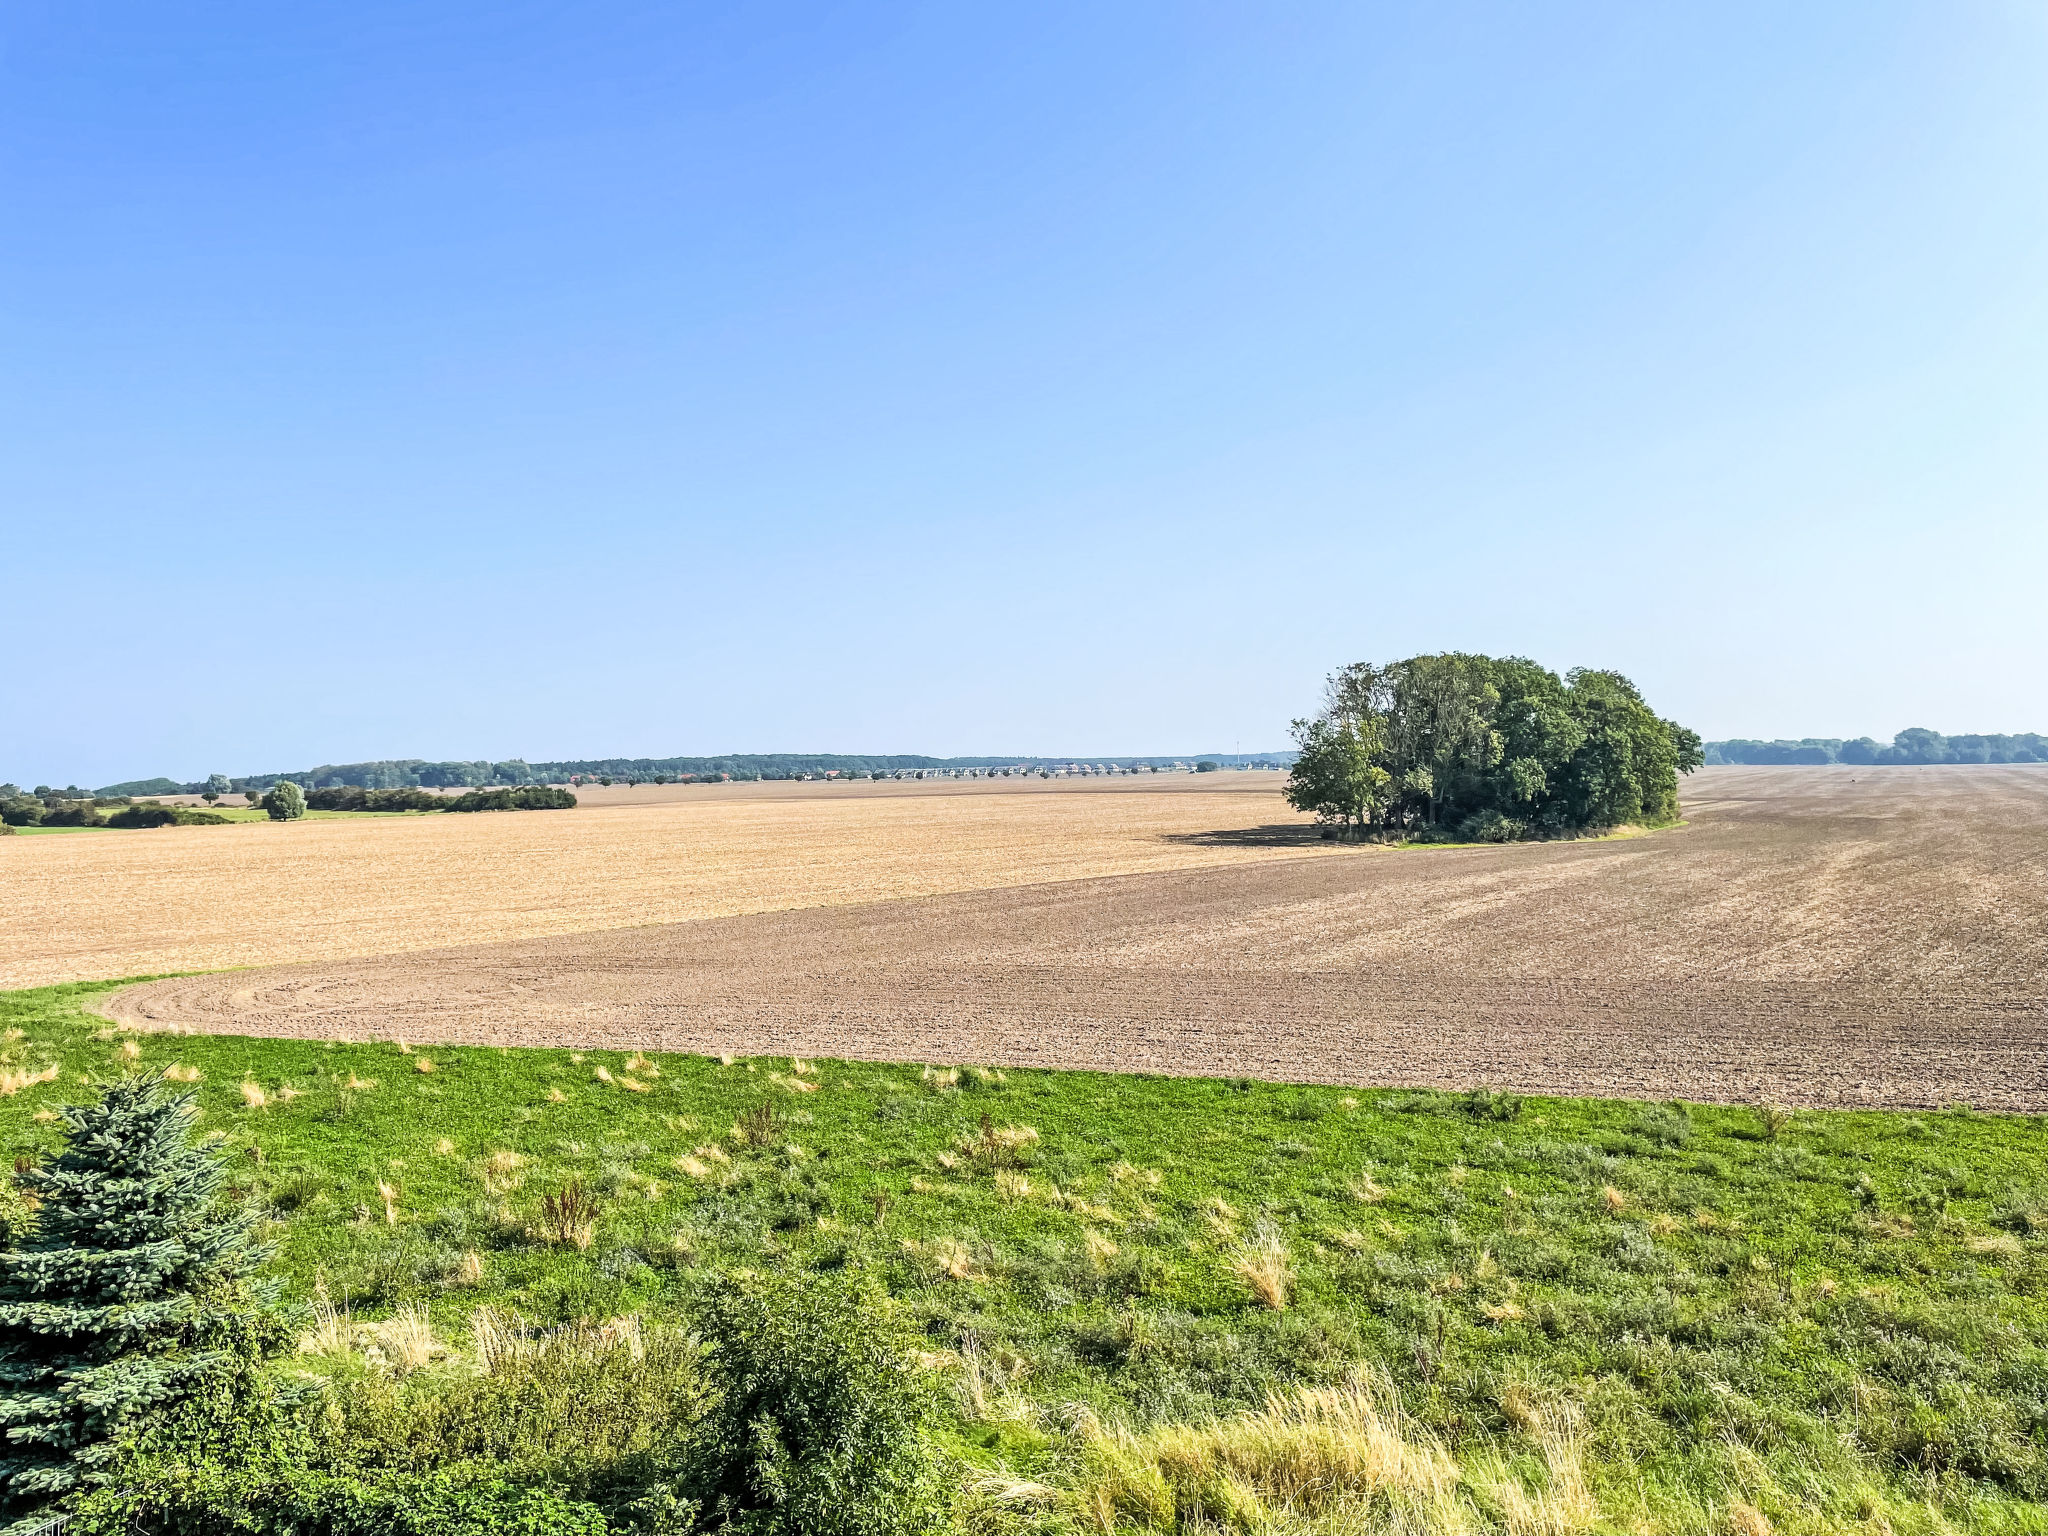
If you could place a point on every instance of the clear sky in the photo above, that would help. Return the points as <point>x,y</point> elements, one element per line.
<point>465,381</point>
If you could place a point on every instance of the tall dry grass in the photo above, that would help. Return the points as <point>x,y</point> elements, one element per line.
<point>1336,1461</point>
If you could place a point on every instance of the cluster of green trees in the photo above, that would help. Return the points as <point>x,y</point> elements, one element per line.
<point>61,808</point>
<point>1486,749</point>
<point>1917,746</point>
<point>135,1323</point>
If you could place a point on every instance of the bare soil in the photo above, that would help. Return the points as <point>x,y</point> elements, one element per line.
<point>1814,935</point>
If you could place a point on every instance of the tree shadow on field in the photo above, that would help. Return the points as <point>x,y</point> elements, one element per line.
<point>1285,835</point>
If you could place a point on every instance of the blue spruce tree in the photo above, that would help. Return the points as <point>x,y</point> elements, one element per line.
<point>127,1290</point>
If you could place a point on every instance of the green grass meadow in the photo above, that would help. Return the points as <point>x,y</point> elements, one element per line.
<point>1711,1316</point>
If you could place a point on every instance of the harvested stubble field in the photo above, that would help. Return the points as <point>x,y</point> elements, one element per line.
<point>102,904</point>
<point>1820,936</point>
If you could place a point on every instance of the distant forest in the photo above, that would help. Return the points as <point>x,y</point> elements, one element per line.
<point>1915,746</point>
<point>419,773</point>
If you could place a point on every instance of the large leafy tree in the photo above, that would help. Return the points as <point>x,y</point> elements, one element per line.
<point>128,1290</point>
<point>1488,747</point>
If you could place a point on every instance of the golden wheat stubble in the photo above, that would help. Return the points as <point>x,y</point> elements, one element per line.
<point>104,904</point>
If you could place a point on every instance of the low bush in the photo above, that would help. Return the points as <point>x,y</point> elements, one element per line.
<point>351,797</point>
<point>820,1427</point>
<point>150,814</point>
<point>527,797</point>
<point>74,813</point>
<point>279,1499</point>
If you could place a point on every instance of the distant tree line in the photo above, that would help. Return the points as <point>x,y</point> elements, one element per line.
<point>420,773</point>
<point>1915,746</point>
<point>1486,749</point>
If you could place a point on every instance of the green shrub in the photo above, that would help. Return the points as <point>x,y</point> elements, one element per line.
<point>351,797</point>
<point>74,813</point>
<point>279,1499</point>
<point>603,1414</point>
<point>820,1426</point>
<point>153,815</point>
<point>285,802</point>
<point>528,797</point>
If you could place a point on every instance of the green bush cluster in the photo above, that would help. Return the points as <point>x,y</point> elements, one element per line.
<point>152,815</point>
<point>349,797</point>
<point>527,797</point>
<point>135,1400</point>
<point>1486,749</point>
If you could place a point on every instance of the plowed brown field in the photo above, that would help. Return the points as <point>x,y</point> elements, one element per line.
<point>1820,936</point>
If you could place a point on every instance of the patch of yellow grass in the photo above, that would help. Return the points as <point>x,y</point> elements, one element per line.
<point>359,1084</point>
<point>422,1064</point>
<point>1612,1198</point>
<point>556,1096</point>
<point>253,1094</point>
<point>12,1082</point>
<point>388,1193</point>
<point>407,1340</point>
<point>131,1050</point>
<point>181,1074</point>
<point>1100,1250</point>
<point>1265,1268</point>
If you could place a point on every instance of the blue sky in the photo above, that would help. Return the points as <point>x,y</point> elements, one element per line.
<point>450,381</point>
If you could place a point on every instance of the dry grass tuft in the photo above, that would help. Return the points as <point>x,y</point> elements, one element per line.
<point>1612,1198</point>
<point>360,1084</point>
<point>407,1340</point>
<point>388,1193</point>
<point>1365,1189</point>
<point>1100,1249</point>
<point>253,1095</point>
<point>470,1271</point>
<point>942,1080</point>
<point>1340,1459</point>
<point>12,1082</point>
<point>556,1096</point>
<point>948,1256</point>
<point>422,1064</point>
<point>444,1148</point>
<point>1745,1519</point>
<point>181,1074</point>
<point>403,1048</point>
<point>1012,1186</point>
<point>633,1085</point>
<point>1264,1267</point>
<point>131,1050</point>
<point>569,1218</point>
<point>333,1331</point>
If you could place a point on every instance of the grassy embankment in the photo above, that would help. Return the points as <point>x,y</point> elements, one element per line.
<point>1567,1314</point>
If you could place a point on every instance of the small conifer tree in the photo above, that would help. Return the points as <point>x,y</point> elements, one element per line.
<point>129,1288</point>
<point>285,802</point>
